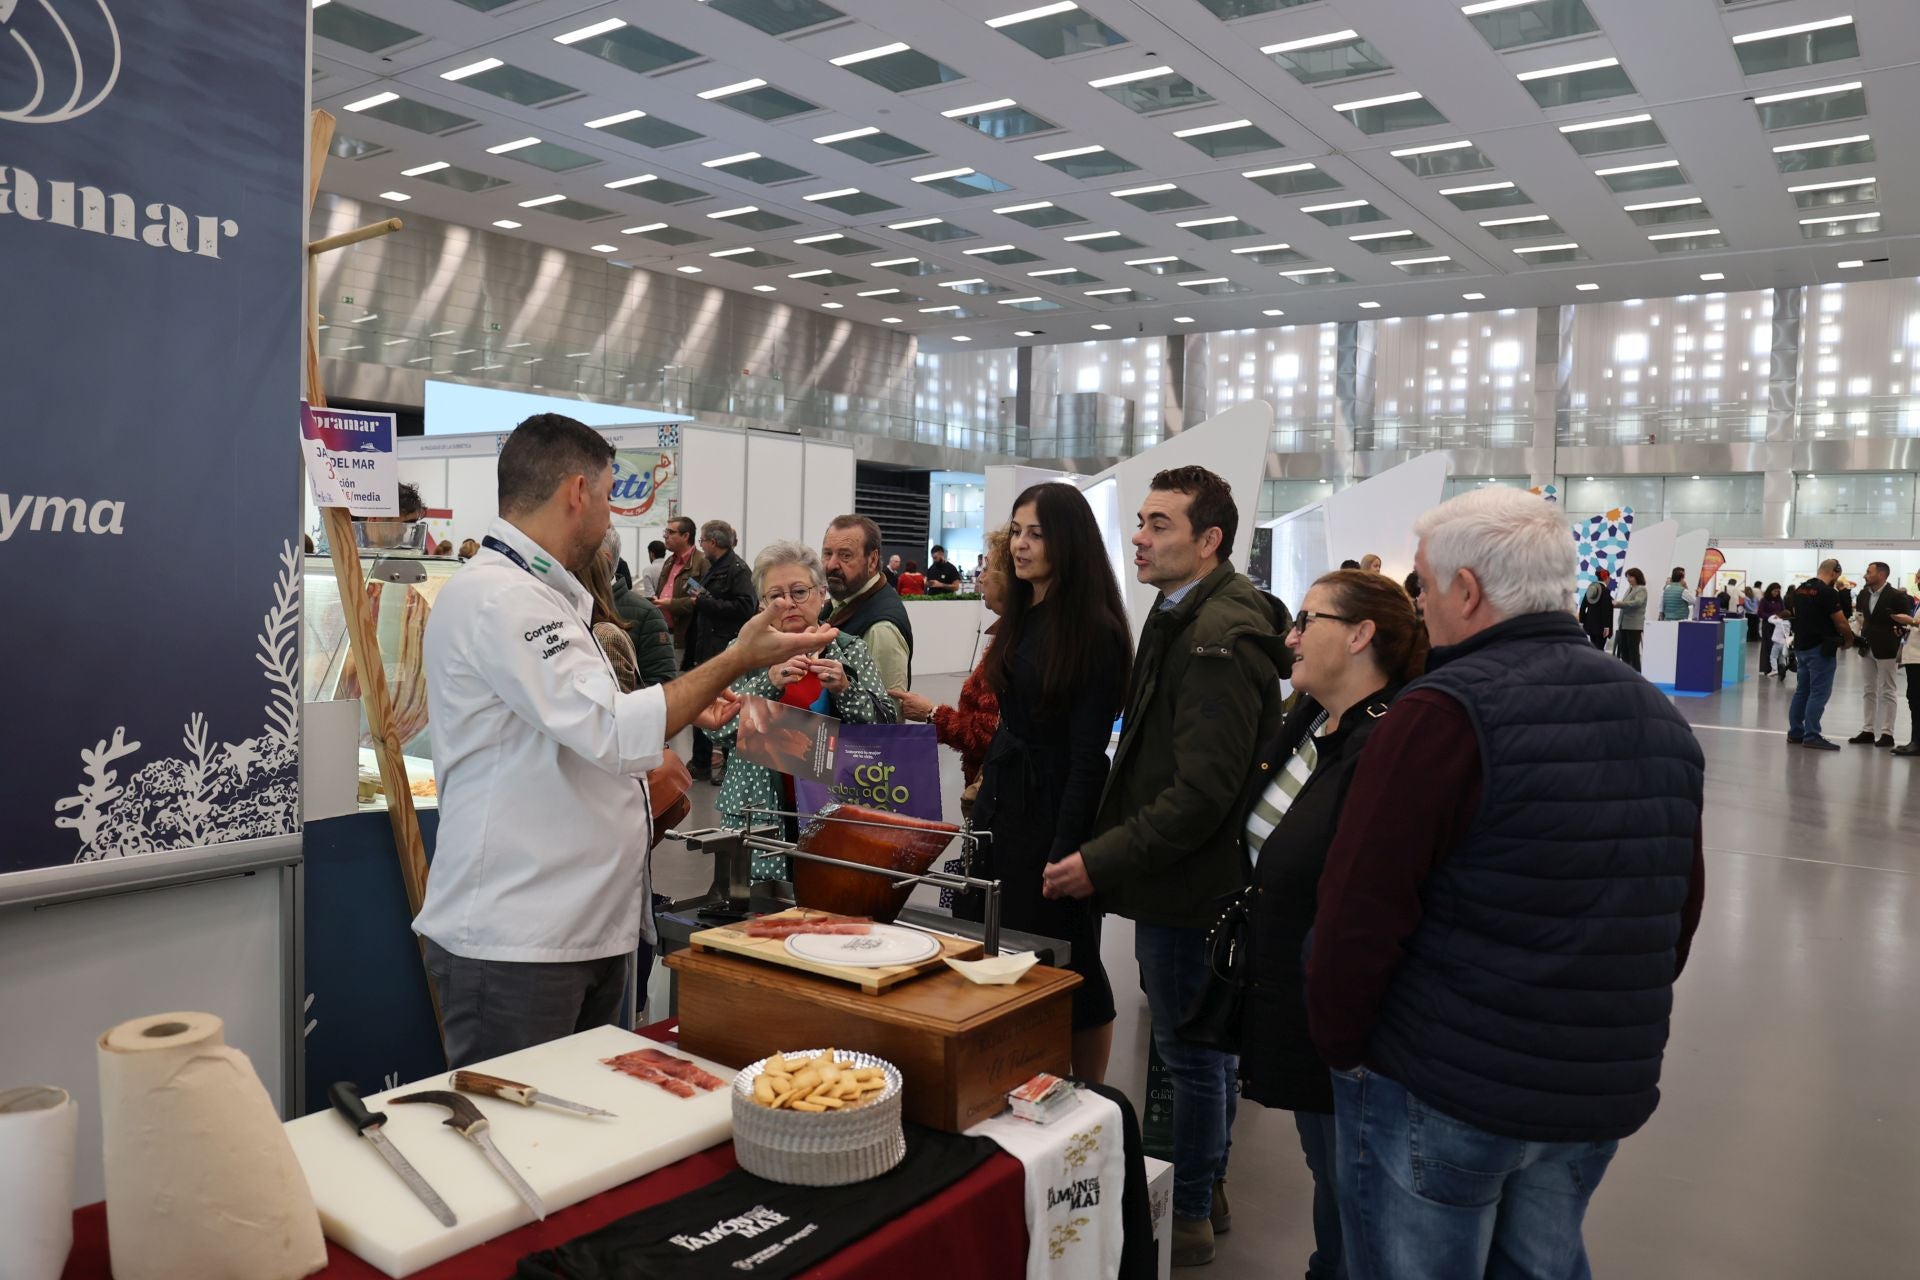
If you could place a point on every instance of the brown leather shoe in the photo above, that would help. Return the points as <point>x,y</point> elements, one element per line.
<point>1192,1242</point>
<point>1222,1216</point>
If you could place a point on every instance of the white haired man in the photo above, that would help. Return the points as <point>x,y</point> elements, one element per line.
<point>1493,959</point>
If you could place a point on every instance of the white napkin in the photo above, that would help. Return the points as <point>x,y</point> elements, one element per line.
<point>1076,1173</point>
<point>38,1131</point>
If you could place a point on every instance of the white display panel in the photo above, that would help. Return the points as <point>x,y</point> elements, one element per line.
<point>828,492</point>
<point>776,491</point>
<point>1377,516</point>
<point>713,475</point>
<point>454,408</point>
<point>1299,552</point>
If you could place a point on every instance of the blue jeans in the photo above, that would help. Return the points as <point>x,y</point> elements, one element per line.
<point>1424,1196</point>
<point>1173,970</point>
<point>1811,692</point>
<point>1317,1144</point>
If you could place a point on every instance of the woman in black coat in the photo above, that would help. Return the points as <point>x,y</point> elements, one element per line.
<point>1355,641</point>
<point>1059,669</point>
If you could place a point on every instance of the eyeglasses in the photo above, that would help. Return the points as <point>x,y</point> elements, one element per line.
<point>1306,617</point>
<point>799,595</point>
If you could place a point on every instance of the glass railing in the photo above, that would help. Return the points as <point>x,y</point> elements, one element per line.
<point>1872,416</point>
<point>1678,424</point>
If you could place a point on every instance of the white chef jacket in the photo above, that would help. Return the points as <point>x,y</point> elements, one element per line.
<point>542,762</point>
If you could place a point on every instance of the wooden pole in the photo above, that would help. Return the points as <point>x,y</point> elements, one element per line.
<point>362,638</point>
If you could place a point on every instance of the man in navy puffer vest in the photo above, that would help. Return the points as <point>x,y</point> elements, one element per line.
<point>1494,957</point>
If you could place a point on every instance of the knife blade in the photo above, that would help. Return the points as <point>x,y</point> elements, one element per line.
<point>470,1123</point>
<point>346,1100</point>
<point>513,1091</point>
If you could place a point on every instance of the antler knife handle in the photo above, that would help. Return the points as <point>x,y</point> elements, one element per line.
<point>494,1087</point>
<point>466,1119</point>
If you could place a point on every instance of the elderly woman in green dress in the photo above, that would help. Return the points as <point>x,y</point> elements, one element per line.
<point>840,681</point>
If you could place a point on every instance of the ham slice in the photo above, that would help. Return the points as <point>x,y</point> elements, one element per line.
<point>825,922</point>
<point>676,1075</point>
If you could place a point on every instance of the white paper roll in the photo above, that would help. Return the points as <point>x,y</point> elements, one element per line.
<point>201,1182</point>
<point>39,1128</point>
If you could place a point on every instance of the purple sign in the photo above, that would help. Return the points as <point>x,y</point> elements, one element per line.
<point>895,767</point>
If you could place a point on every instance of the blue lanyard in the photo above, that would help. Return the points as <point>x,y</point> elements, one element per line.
<point>494,544</point>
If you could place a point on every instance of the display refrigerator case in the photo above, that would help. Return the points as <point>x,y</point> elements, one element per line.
<point>400,587</point>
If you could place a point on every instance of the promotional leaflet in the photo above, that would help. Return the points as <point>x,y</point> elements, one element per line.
<point>350,460</point>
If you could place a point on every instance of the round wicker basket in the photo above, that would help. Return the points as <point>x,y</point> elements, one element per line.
<point>819,1148</point>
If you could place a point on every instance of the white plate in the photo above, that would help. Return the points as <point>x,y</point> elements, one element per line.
<point>883,945</point>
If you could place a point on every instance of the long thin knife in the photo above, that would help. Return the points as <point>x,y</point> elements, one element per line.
<point>346,1100</point>
<point>470,1123</point>
<point>513,1091</point>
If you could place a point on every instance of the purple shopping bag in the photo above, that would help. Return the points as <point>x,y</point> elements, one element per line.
<point>895,767</point>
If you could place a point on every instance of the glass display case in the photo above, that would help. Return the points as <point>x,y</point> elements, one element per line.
<point>401,586</point>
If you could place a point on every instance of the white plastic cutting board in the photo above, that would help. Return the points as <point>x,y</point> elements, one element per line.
<point>366,1209</point>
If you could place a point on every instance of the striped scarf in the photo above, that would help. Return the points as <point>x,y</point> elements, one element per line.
<point>1274,802</point>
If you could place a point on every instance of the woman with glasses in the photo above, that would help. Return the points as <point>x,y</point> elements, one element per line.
<point>840,681</point>
<point>1355,642</point>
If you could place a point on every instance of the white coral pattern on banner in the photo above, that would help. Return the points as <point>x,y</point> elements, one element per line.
<point>214,792</point>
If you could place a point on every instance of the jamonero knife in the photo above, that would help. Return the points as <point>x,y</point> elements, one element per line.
<point>513,1091</point>
<point>470,1123</point>
<point>346,1100</point>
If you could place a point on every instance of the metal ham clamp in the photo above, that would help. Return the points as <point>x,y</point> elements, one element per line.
<point>346,1100</point>
<point>470,1123</point>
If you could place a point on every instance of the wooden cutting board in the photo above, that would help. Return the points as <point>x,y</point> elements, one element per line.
<point>366,1209</point>
<point>734,940</point>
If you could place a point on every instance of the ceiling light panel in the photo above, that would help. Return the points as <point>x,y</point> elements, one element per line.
<point>1825,153</point>
<point>1064,276</point>
<point>1478,197</point>
<point>1519,26</point>
<point>871,146</point>
<point>1805,108</point>
<point>1224,227</point>
<point>1114,295</point>
<point>750,257</point>
<point>977,288</point>
<point>1315,277</point>
<point>1826,195</point>
<point>1228,139</point>
<point>644,130</point>
<point>452,175</point>
<point>1650,176</point>
<point>1086,162</point>
<point>777,17</point>
<point>1267,255</point>
<point>1531,227</point>
<point>1390,113</point>
<point>1057,30</point>
<point>1001,120</point>
<point>1613,133</point>
<point>1443,159</point>
<point>509,83</point>
<point>1388,242</point>
<point>914,267</point>
<point>1158,197</point>
<point>1660,213</point>
<point>628,47</point>
<point>1687,241</point>
<point>1152,89</point>
<point>755,167</point>
<point>1005,255</point>
<point>1805,44</point>
<point>661,233</point>
<point>1840,224</point>
<point>1163,265</point>
<point>550,156</point>
<point>1337,55</point>
<point>357,29</point>
<point>851,201</point>
<point>961,183</point>
<point>753,219</point>
<point>898,68</point>
<point>1551,254</point>
<point>1212,287</point>
<point>1299,179</point>
<point>1343,213</point>
<point>1040,213</point>
<point>760,100</point>
<point>1592,81</point>
<point>391,108</point>
<point>1105,241</point>
<point>1438,264</point>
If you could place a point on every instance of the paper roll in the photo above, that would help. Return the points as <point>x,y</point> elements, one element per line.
<point>201,1182</point>
<point>39,1128</point>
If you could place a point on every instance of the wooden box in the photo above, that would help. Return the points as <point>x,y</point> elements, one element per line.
<point>960,1046</point>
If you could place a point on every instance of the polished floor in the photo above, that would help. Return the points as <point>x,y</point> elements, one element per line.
<point>1787,1143</point>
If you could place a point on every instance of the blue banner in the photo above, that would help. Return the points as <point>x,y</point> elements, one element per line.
<point>152,222</point>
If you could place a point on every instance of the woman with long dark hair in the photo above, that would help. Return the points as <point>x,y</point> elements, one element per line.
<point>1059,668</point>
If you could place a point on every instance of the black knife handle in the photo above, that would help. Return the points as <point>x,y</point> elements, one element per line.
<point>346,1100</point>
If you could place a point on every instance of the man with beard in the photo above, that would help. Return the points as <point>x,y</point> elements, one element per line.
<point>539,899</point>
<point>864,604</point>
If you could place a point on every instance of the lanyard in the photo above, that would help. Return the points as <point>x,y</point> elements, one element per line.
<point>494,544</point>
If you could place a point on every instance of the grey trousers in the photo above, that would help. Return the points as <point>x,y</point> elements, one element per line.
<point>491,1007</point>
<point>1880,703</point>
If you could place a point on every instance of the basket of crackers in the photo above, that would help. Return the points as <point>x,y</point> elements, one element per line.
<point>818,1117</point>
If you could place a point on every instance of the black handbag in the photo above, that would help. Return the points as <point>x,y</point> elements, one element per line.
<point>1216,1020</point>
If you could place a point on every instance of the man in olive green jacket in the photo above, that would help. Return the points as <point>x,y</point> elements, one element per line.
<point>1167,847</point>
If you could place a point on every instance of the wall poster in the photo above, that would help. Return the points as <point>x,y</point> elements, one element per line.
<point>152,226</point>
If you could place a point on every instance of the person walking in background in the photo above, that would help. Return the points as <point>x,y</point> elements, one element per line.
<point>1764,612</point>
<point>1752,612</point>
<point>1493,959</point>
<point>1354,643</point>
<point>1059,671</point>
<point>1781,624</point>
<point>943,576</point>
<point>968,727</point>
<point>1878,604</point>
<point>1820,632</point>
<point>1370,562</point>
<point>1596,610</point>
<point>1673,598</point>
<point>685,565</point>
<point>1630,626</point>
<point>863,603</point>
<point>1168,846</point>
<point>840,680</point>
<point>723,598</point>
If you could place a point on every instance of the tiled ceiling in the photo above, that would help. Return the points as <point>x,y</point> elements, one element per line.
<point>1119,163</point>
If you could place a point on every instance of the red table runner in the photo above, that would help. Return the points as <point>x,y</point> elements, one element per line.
<point>976,1228</point>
